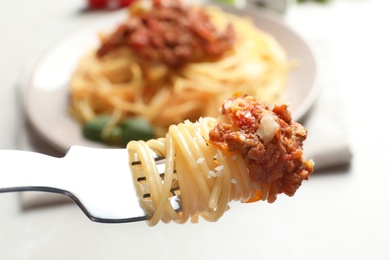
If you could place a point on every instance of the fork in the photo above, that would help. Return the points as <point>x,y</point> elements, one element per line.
<point>98,180</point>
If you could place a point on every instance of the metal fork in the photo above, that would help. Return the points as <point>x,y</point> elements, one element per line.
<point>98,180</point>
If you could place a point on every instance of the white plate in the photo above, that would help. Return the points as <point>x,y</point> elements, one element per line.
<point>46,93</point>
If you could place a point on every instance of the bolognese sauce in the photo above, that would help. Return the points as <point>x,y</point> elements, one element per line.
<point>269,141</point>
<point>170,32</point>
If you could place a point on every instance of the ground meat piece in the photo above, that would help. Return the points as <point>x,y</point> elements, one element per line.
<point>170,32</point>
<point>270,142</point>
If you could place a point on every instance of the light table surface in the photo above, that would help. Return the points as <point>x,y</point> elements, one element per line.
<point>340,213</point>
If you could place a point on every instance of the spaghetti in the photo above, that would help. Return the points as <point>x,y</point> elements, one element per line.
<point>171,80</point>
<point>246,154</point>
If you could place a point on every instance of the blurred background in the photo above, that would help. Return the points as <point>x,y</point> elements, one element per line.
<point>341,212</point>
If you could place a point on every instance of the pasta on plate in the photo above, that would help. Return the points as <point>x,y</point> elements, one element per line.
<point>170,62</point>
<point>248,153</point>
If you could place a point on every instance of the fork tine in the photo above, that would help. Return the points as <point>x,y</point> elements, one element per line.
<point>141,179</point>
<point>143,188</point>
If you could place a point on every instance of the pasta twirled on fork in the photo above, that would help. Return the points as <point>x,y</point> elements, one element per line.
<point>249,153</point>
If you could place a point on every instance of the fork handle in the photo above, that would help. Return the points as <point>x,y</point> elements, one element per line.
<point>24,170</point>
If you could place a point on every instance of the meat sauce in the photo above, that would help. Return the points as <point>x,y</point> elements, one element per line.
<point>269,141</point>
<point>169,32</point>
